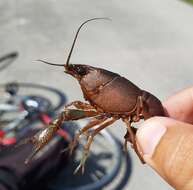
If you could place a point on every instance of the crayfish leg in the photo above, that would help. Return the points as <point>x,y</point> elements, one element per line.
<point>131,137</point>
<point>89,142</point>
<point>84,130</point>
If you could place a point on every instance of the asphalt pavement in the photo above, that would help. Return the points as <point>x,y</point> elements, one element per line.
<point>149,42</point>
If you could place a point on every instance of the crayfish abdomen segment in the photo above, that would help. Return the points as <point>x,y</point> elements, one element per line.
<point>151,105</point>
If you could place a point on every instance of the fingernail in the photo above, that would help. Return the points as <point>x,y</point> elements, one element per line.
<point>149,136</point>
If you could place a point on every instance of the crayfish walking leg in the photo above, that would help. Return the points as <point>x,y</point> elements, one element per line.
<point>90,125</point>
<point>132,138</point>
<point>89,142</point>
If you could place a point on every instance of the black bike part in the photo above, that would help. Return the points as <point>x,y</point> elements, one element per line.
<point>8,179</point>
<point>12,88</point>
<point>36,104</point>
<point>35,175</point>
<point>61,96</point>
<point>7,59</point>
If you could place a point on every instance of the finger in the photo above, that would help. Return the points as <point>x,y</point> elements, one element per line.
<point>180,106</point>
<point>167,146</point>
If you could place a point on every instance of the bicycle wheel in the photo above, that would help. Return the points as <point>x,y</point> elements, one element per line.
<point>55,96</point>
<point>26,103</point>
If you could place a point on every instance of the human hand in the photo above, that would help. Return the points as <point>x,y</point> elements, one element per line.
<point>167,143</point>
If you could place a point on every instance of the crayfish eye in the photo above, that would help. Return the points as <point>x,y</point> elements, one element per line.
<point>81,70</point>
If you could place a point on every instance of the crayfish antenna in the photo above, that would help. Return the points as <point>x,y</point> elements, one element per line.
<point>76,35</point>
<point>48,63</point>
<point>73,44</point>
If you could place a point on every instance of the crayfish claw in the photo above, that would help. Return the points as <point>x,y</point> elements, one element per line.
<point>29,158</point>
<point>34,141</point>
<point>39,140</point>
<point>23,142</point>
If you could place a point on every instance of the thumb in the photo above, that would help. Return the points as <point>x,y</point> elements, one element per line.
<point>167,146</point>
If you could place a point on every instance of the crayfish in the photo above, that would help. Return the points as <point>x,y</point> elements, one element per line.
<point>109,97</point>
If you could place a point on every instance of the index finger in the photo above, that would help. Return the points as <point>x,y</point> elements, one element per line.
<point>180,105</point>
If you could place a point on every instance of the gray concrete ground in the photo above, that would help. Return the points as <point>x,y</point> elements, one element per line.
<point>149,42</point>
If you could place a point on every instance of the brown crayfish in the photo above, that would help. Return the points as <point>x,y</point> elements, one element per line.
<point>109,97</point>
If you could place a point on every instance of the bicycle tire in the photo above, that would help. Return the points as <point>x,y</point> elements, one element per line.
<point>61,96</point>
